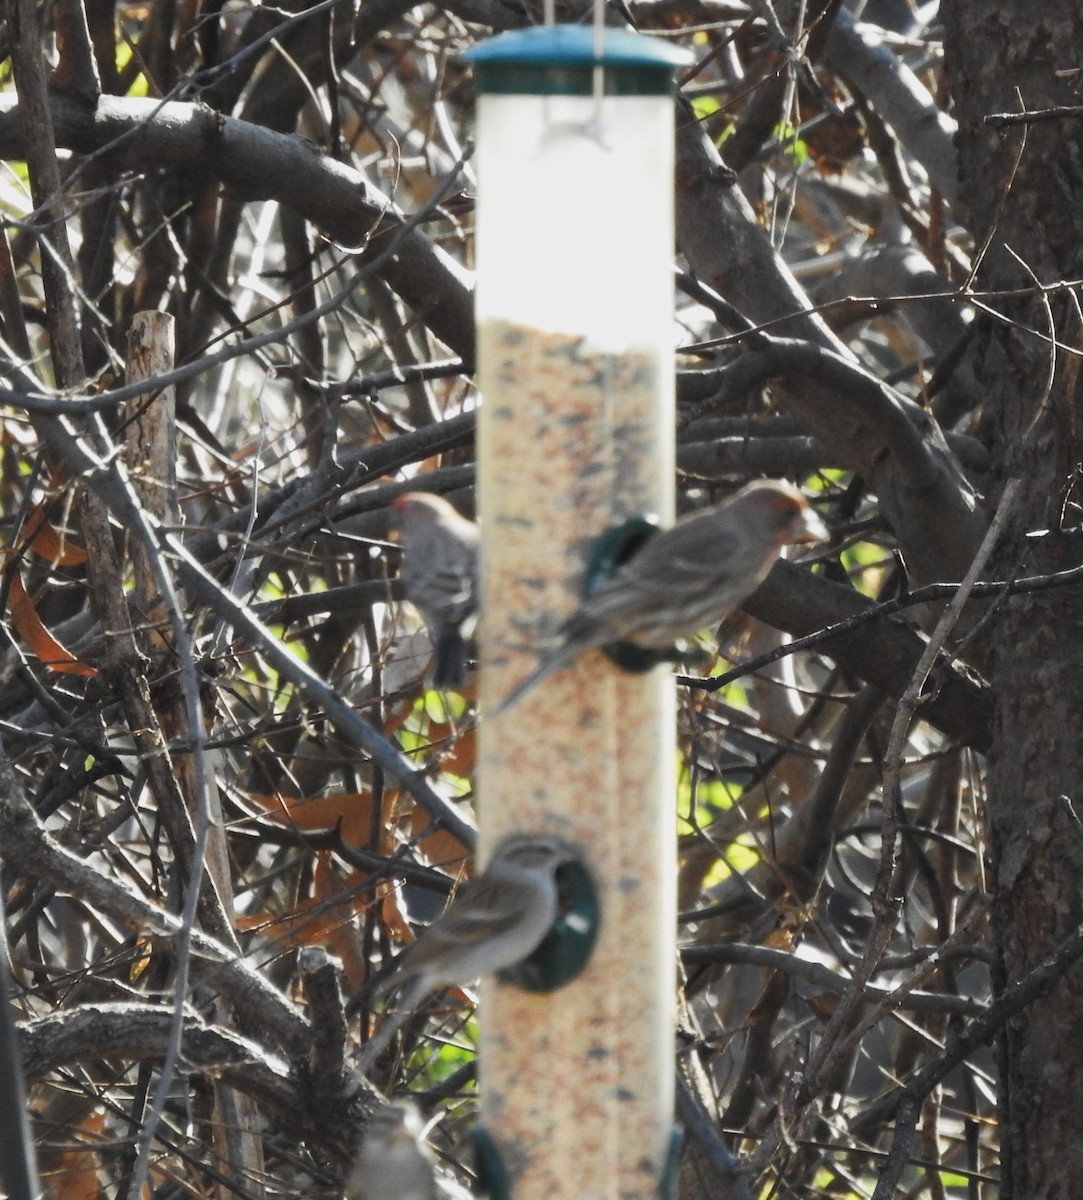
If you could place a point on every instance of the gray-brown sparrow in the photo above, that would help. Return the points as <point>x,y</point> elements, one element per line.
<point>495,921</point>
<point>393,1162</point>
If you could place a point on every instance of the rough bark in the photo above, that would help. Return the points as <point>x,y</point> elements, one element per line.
<point>1023,190</point>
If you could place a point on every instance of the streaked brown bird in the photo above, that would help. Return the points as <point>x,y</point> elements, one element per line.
<point>685,578</point>
<point>439,571</point>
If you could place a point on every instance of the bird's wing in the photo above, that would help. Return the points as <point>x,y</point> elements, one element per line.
<point>482,910</point>
<point>686,558</point>
<point>688,550</point>
<point>454,582</point>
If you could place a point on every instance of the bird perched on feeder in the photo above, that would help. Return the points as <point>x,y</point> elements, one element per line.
<point>393,1162</point>
<point>495,921</point>
<point>439,571</point>
<point>685,578</point>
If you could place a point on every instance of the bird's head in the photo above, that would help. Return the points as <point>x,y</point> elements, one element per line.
<point>784,511</point>
<point>396,1123</point>
<point>535,851</point>
<point>423,511</point>
<point>415,508</point>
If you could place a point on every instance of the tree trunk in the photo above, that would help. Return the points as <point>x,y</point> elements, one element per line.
<point>1022,188</point>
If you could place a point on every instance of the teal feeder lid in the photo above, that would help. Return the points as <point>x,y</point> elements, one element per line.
<point>559,60</point>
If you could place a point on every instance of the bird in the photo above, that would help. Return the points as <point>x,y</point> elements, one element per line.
<point>684,578</point>
<point>393,1162</point>
<point>439,571</point>
<point>495,921</point>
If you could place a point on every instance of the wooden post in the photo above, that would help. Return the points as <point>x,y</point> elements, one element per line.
<point>574,305</point>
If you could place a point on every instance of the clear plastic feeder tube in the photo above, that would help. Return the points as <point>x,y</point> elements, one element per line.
<point>574,257</point>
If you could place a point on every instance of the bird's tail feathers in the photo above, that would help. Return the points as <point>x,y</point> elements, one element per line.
<point>449,653</point>
<point>391,1022</point>
<point>554,660</point>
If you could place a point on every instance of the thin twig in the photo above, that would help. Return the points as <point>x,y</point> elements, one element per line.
<point>1058,112</point>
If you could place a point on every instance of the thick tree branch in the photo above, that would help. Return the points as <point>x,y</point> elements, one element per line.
<point>883,653</point>
<point>263,165</point>
<point>823,978</point>
<point>919,483</point>
<point>860,55</point>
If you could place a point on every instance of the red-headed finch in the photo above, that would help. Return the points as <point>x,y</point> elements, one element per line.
<point>685,578</point>
<point>439,570</point>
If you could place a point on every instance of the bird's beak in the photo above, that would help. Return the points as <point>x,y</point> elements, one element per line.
<point>809,529</point>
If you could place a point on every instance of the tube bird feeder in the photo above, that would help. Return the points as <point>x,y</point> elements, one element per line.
<point>574,256</point>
